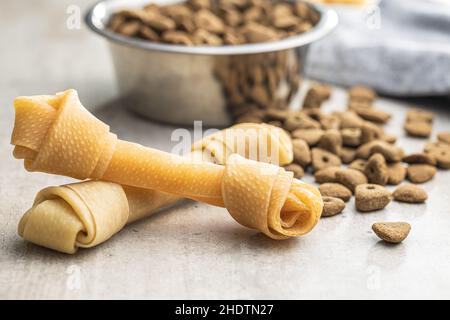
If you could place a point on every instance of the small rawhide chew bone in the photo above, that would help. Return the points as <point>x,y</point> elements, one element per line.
<point>56,134</point>
<point>75,215</point>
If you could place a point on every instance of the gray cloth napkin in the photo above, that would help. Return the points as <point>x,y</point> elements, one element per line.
<point>399,47</point>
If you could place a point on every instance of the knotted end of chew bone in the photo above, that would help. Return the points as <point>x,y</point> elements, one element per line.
<point>75,215</point>
<point>267,198</point>
<point>42,125</point>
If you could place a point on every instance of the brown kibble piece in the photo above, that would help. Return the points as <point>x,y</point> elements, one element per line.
<point>158,21</point>
<point>347,155</point>
<point>248,118</point>
<point>311,136</point>
<point>358,104</point>
<point>205,19</point>
<point>358,164</point>
<point>361,93</point>
<point>302,154</point>
<point>177,37</point>
<point>420,129</point>
<point>410,193</point>
<point>296,169</point>
<point>259,94</point>
<point>370,132</point>
<point>389,138</point>
<point>332,206</point>
<point>255,32</point>
<point>376,169</point>
<point>230,22</point>
<point>432,146</point>
<point>371,197</point>
<point>390,152</point>
<point>441,154</point>
<point>372,114</point>
<point>363,151</point>
<point>148,33</point>
<point>115,22</point>
<point>420,173</point>
<point>316,95</point>
<point>392,232</point>
<point>396,173</point>
<point>331,141</point>
<point>444,137</point>
<point>443,158</point>
<point>349,119</point>
<point>419,158</point>
<point>202,36</point>
<point>329,121</point>
<point>322,159</point>
<point>275,123</point>
<point>419,115</point>
<point>129,29</point>
<point>276,114</point>
<point>351,137</point>
<point>299,120</point>
<point>351,178</point>
<point>326,175</point>
<point>335,190</point>
<point>199,4</point>
<point>286,22</point>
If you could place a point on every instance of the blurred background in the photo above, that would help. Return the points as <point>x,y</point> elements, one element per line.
<point>400,47</point>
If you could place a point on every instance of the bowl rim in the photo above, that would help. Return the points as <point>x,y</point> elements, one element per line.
<point>328,21</point>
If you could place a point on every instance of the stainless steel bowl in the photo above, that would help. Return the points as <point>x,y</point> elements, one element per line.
<point>179,84</point>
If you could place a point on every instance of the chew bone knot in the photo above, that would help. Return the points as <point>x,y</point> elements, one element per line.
<point>56,134</point>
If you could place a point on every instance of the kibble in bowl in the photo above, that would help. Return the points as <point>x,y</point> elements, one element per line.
<point>209,60</point>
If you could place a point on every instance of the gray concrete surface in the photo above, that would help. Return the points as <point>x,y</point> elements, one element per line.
<point>193,250</point>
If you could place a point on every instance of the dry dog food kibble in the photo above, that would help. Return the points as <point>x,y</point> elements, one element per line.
<point>347,155</point>
<point>322,159</point>
<point>370,132</point>
<point>423,158</point>
<point>420,173</point>
<point>371,197</point>
<point>418,123</point>
<point>376,169</point>
<point>350,178</point>
<point>444,137</point>
<point>362,94</point>
<point>351,137</point>
<point>392,232</point>
<point>396,173</point>
<point>300,120</point>
<point>302,154</point>
<point>335,190</point>
<point>390,152</point>
<point>226,22</point>
<point>317,94</point>
<point>389,138</point>
<point>358,164</point>
<point>296,169</point>
<point>331,141</point>
<point>311,136</point>
<point>326,174</point>
<point>418,129</point>
<point>410,193</point>
<point>332,206</point>
<point>440,151</point>
<point>415,114</point>
<point>372,114</point>
<point>349,119</point>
